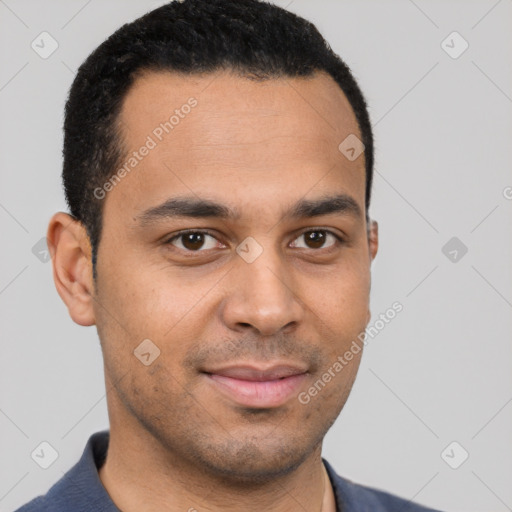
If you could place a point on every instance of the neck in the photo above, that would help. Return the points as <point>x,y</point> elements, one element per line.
<point>139,474</point>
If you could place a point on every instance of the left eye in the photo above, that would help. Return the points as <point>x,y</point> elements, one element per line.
<point>194,240</point>
<point>315,239</point>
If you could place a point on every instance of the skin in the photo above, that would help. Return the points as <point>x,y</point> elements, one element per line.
<point>256,146</point>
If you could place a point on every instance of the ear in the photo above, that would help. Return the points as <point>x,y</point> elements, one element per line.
<point>70,250</point>
<point>373,238</point>
<point>373,247</point>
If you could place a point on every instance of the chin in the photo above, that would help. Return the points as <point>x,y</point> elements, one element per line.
<point>254,462</point>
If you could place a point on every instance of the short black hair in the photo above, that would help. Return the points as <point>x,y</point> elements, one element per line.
<point>249,37</point>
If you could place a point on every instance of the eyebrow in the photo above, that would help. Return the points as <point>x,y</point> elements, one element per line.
<point>339,204</point>
<point>191,207</point>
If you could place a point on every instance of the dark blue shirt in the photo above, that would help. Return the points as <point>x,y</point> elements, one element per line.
<point>81,490</point>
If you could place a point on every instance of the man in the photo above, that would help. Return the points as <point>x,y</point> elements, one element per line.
<point>218,166</point>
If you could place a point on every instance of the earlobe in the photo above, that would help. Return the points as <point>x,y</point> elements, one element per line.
<point>70,250</point>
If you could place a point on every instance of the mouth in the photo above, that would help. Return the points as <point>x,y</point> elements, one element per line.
<point>256,387</point>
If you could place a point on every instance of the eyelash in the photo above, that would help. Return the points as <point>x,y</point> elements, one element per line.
<point>339,239</point>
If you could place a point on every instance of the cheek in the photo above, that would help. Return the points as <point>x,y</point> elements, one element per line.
<point>140,298</point>
<point>342,298</point>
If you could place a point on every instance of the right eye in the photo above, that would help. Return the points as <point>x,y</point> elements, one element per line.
<point>194,241</point>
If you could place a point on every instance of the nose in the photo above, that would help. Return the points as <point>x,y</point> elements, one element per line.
<point>262,296</point>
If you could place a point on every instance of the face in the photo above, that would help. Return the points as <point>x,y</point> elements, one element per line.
<point>237,244</point>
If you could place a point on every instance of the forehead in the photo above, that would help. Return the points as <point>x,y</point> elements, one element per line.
<point>221,132</point>
<point>300,106</point>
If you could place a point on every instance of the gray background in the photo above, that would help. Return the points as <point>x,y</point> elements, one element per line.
<point>441,371</point>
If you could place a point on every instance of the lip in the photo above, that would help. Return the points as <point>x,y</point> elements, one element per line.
<point>257,387</point>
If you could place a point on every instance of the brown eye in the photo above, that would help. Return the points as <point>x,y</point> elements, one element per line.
<point>315,239</point>
<point>194,241</point>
